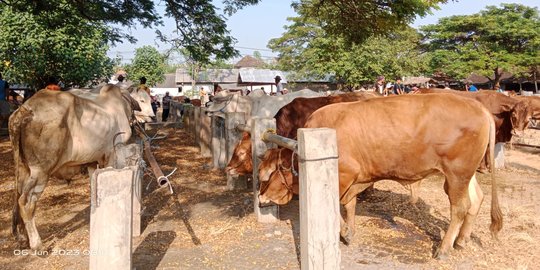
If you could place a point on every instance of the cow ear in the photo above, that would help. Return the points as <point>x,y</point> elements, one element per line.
<point>265,173</point>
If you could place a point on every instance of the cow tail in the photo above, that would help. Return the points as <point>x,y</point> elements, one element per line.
<point>17,122</point>
<point>496,214</point>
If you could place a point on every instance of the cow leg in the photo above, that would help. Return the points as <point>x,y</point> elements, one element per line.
<point>347,227</point>
<point>477,197</point>
<point>32,190</point>
<point>460,203</point>
<point>414,187</point>
<point>18,229</point>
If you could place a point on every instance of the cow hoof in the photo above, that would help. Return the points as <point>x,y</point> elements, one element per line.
<point>440,255</point>
<point>346,236</point>
<point>483,170</point>
<point>461,243</point>
<point>37,246</point>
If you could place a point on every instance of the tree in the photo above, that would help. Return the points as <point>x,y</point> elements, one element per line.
<point>199,28</point>
<point>488,43</point>
<point>149,63</point>
<point>75,53</point>
<point>357,20</point>
<point>202,31</point>
<point>309,51</point>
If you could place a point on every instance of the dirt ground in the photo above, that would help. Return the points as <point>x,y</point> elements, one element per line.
<point>205,226</point>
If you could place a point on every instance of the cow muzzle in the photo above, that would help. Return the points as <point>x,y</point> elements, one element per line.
<point>264,201</point>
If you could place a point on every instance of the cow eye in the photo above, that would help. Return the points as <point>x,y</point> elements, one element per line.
<point>142,100</point>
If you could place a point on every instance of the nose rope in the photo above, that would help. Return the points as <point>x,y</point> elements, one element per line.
<point>280,166</point>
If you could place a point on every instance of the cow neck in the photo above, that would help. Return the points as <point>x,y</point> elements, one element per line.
<point>115,106</point>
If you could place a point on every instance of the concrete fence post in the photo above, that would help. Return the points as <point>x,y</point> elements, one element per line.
<point>130,156</point>
<point>233,137</point>
<point>187,120</point>
<point>205,135</point>
<point>110,219</point>
<point>219,152</point>
<point>319,199</point>
<point>258,127</point>
<point>197,126</point>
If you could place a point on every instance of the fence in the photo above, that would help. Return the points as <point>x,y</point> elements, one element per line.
<point>116,210</point>
<point>318,176</point>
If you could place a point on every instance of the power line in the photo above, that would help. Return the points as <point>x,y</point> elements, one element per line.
<point>254,49</point>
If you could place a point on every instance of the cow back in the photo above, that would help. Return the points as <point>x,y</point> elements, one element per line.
<point>295,114</point>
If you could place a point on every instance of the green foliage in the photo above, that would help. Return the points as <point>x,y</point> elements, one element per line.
<point>505,38</point>
<point>31,51</point>
<point>357,20</point>
<point>149,63</point>
<point>257,55</point>
<point>199,28</point>
<point>307,50</point>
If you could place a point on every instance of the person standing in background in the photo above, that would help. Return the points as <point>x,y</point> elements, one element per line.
<point>142,85</point>
<point>4,105</point>
<point>380,85</point>
<point>279,85</point>
<point>52,84</point>
<point>470,87</point>
<point>165,105</point>
<point>121,82</point>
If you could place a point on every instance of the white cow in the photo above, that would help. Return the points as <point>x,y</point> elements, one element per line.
<point>254,104</point>
<point>146,114</point>
<point>55,134</point>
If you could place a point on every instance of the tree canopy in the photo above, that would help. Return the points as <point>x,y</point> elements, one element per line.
<point>31,51</point>
<point>203,31</point>
<point>355,21</point>
<point>498,39</point>
<point>148,63</point>
<point>309,51</point>
<point>199,27</point>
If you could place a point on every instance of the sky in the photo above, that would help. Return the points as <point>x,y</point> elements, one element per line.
<point>254,26</point>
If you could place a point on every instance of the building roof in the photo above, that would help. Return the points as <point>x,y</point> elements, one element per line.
<point>249,61</point>
<point>260,76</point>
<point>328,78</point>
<point>182,76</point>
<point>218,76</point>
<point>480,79</point>
<point>169,82</point>
<point>416,80</point>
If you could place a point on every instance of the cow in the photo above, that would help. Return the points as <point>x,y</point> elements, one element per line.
<point>288,119</point>
<point>56,134</point>
<point>146,114</point>
<point>434,133</point>
<point>255,105</point>
<point>532,103</point>
<point>511,115</point>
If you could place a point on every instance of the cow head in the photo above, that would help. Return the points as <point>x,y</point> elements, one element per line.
<point>241,162</point>
<point>220,103</point>
<point>145,112</point>
<point>521,115</point>
<point>277,182</point>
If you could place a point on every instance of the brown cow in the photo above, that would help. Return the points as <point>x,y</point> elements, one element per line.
<point>435,132</point>
<point>288,119</point>
<point>532,103</point>
<point>509,113</point>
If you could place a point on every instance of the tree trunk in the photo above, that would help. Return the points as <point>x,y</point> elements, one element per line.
<point>496,81</point>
